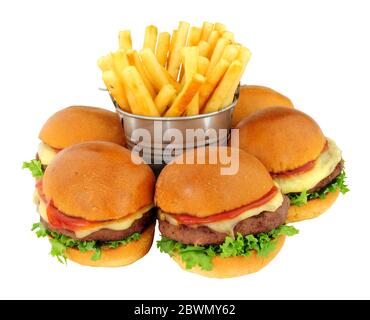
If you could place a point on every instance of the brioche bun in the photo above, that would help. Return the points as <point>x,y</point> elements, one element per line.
<point>235,266</point>
<point>200,189</point>
<point>121,256</point>
<point>312,209</point>
<point>281,138</point>
<point>253,98</point>
<point>77,124</point>
<point>98,181</point>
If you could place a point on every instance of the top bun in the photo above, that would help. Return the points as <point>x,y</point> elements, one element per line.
<point>282,138</point>
<point>200,190</point>
<point>77,124</point>
<point>253,98</point>
<point>98,181</point>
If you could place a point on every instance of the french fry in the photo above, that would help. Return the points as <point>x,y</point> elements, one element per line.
<point>175,84</point>
<point>181,76</point>
<point>124,39</point>
<point>220,27</point>
<point>175,56</point>
<point>203,48</point>
<point>212,81</point>
<point>231,52</point>
<point>217,53</point>
<point>164,98</point>
<point>190,61</point>
<point>105,63</point>
<point>190,65</point>
<point>206,30</point>
<point>172,44</point>
<point>150,38</point>
<point>193,107</point>
<point>244,57</point>
<point>216,102</point>
<point>153,69</point>
<point>120,61</point>
<point>163,47</point>
<point>228,35</point>
<point>194,36</point>
<point>212,40</point>
<point>115,88</point>
<point>135,60</point>
<point>185,96</point>
<point>142,103</point>
<point>164,70</point>
<point>189,57</point>
<point>203,63</point>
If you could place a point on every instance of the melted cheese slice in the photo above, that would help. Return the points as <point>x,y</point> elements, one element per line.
<point>324,165</point>
<point>227,226</point>
<point>46,153</point>
<point>120,224</point>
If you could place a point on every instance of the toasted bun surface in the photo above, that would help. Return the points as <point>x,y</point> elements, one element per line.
<point>122,256</point>
<point>235,266</point>
<point>281,138</point>
<point>253,98</point>
<point>77,124</point>
<point>312,209</point>
<point>98,181</point>
<point>200,189</point>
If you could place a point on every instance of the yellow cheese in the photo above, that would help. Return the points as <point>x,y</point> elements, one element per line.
<point>324,165</point>
<point>42,210</point>
<point>46,153</point>
<point>120,224</point>
<point>227,226</point>
<point>35,197</point>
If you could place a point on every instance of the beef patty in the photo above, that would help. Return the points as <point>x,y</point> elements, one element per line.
<point>106,234</point>
<point>324,182</point>
<point>264,222</point>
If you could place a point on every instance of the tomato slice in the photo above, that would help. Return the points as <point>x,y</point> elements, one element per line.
<point>59,220</point>
<point>306,167</point>
<point>187,219</point>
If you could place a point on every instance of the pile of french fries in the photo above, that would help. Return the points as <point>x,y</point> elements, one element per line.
<point>193,71</point>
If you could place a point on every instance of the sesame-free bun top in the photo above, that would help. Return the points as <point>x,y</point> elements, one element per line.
<point>282,138</point>
<point>77,124</point>
<point>253,98</point>
<point>98,181</point>
<point>200,190</point>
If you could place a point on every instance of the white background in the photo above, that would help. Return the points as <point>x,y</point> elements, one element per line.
<point>315,52</point>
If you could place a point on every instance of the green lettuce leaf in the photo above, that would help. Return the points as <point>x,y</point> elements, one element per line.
<point>59,243</point>
<point>35,167</point>
<point>300,199</point>
<point>193,255</point>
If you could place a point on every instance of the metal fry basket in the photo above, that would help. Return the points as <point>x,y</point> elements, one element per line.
<point>159,139</point>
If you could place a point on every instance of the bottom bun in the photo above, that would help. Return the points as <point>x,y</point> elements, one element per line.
<point>235,266</point>
<point>122,256</point>
<point>312,209</point>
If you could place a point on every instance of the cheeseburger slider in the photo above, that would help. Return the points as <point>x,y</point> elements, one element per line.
<point>96,205</point>
<point>253,98</point>
<point>220,225</point>
<point>307,166</point>
<point>73,125</point>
